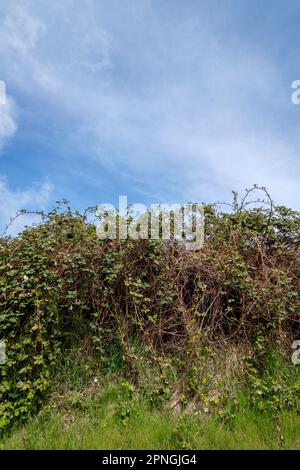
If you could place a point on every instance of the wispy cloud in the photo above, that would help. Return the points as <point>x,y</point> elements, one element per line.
<point>176,97</point>
<point>8,124</point>
<point>12,201</point>
<point>20,31</point>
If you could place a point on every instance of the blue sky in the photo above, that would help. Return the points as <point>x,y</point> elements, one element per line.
<point>160,100</point>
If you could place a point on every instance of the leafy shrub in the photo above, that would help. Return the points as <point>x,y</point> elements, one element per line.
<point>59,283</point>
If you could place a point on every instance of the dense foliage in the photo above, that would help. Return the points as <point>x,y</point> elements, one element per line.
<point>59,284</point>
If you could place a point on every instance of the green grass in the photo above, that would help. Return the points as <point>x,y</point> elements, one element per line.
<point>93,406</point>
<point>115,417</point>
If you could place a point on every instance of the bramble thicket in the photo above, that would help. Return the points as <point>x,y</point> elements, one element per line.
<point>212,316</point>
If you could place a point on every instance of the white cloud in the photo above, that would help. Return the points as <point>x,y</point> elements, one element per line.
<point>150,95</point>
<point>12,201</point>
<point>20,31</point>
<point>45,47</point>
<point>8,125</point>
